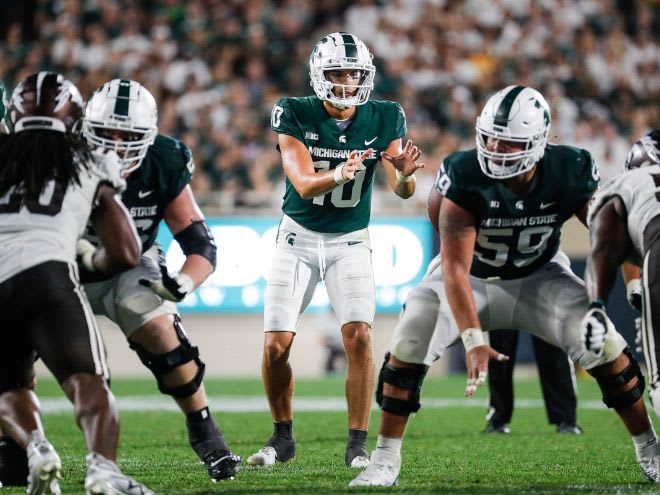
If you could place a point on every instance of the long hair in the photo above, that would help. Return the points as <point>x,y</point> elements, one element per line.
<point>31,158</point>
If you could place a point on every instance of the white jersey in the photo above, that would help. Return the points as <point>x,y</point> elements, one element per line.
<point>639,189</point>
<point>46,229</point>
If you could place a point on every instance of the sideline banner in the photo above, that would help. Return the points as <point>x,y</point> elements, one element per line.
<point>402,248</point>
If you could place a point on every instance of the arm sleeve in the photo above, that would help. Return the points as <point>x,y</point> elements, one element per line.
<point>283,120</point>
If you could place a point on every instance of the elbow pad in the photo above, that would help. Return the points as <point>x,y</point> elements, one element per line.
<point>197,239</point>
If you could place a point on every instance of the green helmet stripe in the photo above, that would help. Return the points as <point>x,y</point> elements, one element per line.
<point>350,45</point>
<point>502,114</point>
<point>123,96</point>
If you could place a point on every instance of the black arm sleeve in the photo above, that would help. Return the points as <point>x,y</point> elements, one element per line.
<point>197,239</point>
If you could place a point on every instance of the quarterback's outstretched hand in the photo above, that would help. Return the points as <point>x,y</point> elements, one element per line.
<point>406,162</point>
<point>171,287</point>
<point>477,366</point>
<point>354,164</point>
<point>594,328</point>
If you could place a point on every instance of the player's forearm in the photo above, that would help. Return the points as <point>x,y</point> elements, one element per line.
<point>460,297</point>
<point>315,185</point>
<point>600,273</point>
<point>405,188</point>
<point>197,268</point>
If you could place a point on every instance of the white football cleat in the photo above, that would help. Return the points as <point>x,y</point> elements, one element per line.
<point>265,457</point>
<point>650,466</point>
<point>44,466</point>
<point>383,470</point>
<point>105,478</point>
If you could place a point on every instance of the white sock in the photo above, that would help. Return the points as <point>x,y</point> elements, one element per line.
<point>389,445</point>
<point>646,444</point>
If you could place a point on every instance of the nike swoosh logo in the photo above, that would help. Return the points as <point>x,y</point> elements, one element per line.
<point>144,194</point>
<point>367,143</point>
<point>543,206</point>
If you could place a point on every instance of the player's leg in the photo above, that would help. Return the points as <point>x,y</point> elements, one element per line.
<point>291,284</point>
<point>557,375</point>
<point>500,381</point>
<point>350,284</point>
<point>563,296</point>
<point>419,338</point>
<point>650,319</point>
<point>155,332</point>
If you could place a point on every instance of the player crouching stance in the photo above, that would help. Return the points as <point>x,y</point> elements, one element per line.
<point>501,207</point>
<point>122,116</point>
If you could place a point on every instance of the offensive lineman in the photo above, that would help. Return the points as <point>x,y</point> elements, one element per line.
<point>331,144</point>
<point>50,183</point>
<point>122,116</point>
<point>499,209</point>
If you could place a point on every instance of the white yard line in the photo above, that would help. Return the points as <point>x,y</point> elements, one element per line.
<point>235,403</point>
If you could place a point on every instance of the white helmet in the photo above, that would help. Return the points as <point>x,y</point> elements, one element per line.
<point>127,106</point>
<point>517,114</point>
<point>339,51</point>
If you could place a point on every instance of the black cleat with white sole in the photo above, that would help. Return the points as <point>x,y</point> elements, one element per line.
<point>222,465</point>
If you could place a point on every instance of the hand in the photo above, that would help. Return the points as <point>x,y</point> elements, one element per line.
<point>171,287</point>
<point>477,366</point>
<point>634,294</point>
<point>85,254</point>
<point>406,162</point>
<point>110,166</point>
<point>354,164</point>
<point>594,328</point>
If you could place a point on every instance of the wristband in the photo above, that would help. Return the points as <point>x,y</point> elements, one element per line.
<point>404,178</point>
<point>339,175</point>
<point>472,337</point>
<point>598,303</point>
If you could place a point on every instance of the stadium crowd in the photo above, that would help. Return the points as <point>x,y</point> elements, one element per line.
<point>216,67</point>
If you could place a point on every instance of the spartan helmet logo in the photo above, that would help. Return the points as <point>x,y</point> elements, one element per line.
<point>291,238</point>
<point>342,139</point>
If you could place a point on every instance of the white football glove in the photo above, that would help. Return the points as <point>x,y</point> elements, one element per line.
<point>85,253</point>
<point>109,167</point>
<point>171,287</point>
<point>634,293</point>
<point>594,328</point>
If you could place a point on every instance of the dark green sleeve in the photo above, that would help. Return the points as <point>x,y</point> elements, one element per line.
<point>586,179</point>
<point>400,129</point>
<point>448,184</point>
<point>182,172</point>
<point>283,120</point>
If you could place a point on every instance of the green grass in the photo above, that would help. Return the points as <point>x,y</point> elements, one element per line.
<point>444,450</point>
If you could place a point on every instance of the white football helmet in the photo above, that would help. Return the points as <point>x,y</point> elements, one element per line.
<point>517,114</point>
<point>126,106</point>
<point>340,51</point>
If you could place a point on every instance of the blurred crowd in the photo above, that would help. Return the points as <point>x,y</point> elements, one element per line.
<point>216,67</point>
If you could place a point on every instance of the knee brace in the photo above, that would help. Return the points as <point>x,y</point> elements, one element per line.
<point>406,378</point>
<point>161,364</point>
<point>609,383</point>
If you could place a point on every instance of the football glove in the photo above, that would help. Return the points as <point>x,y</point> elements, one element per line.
<point>85,253</point>
<point>171,287</point>
<point>634,294</point>
<point>594,328</point>
<point>109,166</point>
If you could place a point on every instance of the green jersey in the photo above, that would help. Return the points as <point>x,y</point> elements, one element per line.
<point>165,171</point>
<point>346,208</point>
<point>518,234</point>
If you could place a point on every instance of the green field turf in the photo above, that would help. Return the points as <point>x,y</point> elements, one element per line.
<point>445,450</point>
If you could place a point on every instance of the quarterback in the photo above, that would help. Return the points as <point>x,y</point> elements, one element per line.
<point>499,209</point>
<point>331,144</point>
